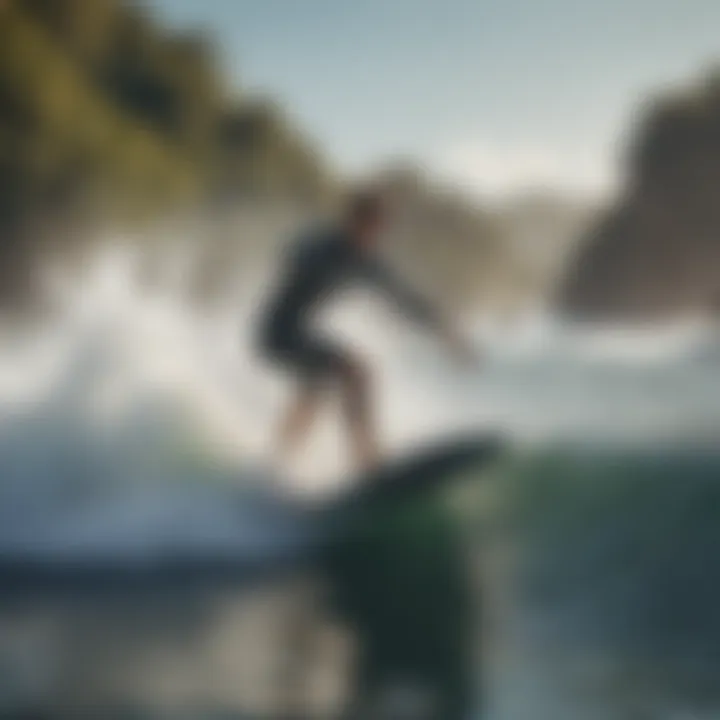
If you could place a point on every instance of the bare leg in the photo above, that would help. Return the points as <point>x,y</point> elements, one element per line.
<point>298,420</point>
<point>359,417</point>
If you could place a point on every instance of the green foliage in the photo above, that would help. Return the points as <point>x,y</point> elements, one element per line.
<point>260,153</point>
<point>103,111</point>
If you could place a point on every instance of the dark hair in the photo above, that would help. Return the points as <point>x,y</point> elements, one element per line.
<point>365,204</point>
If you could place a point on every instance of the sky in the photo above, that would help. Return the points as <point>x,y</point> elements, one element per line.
<point>500,96</point>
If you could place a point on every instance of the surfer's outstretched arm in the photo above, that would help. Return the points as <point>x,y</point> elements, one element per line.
<point>421,310</point>
<point>412,303</point>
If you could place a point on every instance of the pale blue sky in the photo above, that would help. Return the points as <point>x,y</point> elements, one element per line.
<point>497,94</point>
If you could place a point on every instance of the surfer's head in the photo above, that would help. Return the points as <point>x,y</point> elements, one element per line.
<point>365,216</point>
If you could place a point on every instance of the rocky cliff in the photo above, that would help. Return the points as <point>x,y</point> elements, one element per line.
<point>655,255</point>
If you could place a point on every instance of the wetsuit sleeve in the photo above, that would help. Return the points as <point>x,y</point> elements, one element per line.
<point>415,305</point>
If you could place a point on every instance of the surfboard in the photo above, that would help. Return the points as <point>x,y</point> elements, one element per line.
<point>418,471</point>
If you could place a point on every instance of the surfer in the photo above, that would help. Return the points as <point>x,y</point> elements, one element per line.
<point>319,263</point>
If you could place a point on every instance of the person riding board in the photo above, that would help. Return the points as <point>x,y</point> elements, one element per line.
<point>321,262</point>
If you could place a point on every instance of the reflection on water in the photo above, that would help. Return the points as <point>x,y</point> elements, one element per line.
<point>182,651</point>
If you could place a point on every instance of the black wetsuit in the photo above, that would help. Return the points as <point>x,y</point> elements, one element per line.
<point>319,264</point>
